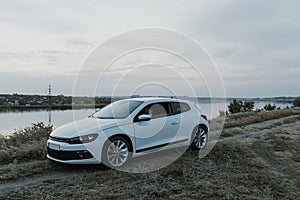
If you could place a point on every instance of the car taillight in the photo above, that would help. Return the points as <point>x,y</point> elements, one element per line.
<point>204,117</point>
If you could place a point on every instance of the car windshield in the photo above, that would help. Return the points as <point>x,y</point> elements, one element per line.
<point>117,110</point>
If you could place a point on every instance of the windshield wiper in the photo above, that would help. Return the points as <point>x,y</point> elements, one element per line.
<point>104,117</point>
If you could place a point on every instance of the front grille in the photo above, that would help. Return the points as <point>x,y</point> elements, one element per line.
<point>69,155</point>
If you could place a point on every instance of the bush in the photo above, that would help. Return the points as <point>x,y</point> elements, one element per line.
<point>248,106</point>
<point>25,144</point>
<point>269,107</point>
<point>297,102</point>
<point>240,106</point>
<point>235,106</point>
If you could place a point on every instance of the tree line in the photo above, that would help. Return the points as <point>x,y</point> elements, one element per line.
<point>236,106</point>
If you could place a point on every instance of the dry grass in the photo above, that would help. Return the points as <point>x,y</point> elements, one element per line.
<point>14,171</point>
<point>232,132</point>
<point>242,119</point>
<point>230,171</point>
<point>25,145</point>
<point>217,123</point>
<point>243,123</point>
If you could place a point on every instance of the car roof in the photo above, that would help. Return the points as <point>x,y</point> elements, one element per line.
<point>155,99</point>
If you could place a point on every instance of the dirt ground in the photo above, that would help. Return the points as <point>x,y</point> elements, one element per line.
<point>256,160</point>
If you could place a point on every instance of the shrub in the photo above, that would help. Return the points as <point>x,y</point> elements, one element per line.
<point>269,107</point>
<point>235,106</point>
<point>248,106</point>
<point>240,106</point>
<point>297,102</point>
<point>25,144</point>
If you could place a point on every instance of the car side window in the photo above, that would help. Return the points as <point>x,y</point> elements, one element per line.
<point>184,107</point>
<point>156,110</point>
<point>178,108</point>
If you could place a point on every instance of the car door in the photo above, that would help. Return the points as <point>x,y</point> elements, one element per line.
<point>186,119</point>
<point>157,132</point>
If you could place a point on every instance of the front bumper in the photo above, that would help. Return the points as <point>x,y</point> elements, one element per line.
<point>88,153</point>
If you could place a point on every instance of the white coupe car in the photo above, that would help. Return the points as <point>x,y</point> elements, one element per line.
<point>128,128</point>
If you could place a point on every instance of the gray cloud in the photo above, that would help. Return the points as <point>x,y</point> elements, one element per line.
<point>256,44</point>
<point>80,43</point>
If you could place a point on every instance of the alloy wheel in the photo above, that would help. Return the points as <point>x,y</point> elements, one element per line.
<point>117,153</point>
<point>200,139</point>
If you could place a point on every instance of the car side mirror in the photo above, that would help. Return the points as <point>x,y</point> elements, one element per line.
<point>143,118</point>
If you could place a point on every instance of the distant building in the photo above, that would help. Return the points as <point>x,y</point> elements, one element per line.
<point>17,102</point>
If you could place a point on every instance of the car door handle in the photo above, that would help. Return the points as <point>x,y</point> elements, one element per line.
<point>174,123</point>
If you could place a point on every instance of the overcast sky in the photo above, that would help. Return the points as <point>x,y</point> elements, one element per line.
<point>255,44</point>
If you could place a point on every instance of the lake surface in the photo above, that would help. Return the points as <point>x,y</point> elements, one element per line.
<point>9,121</point>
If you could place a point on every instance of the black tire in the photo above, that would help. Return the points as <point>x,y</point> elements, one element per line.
<point>199,138</point>
<point>116,152</point>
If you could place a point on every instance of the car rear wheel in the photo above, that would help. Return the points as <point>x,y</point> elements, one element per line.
<point>116,152</point>
<point>200,138</point>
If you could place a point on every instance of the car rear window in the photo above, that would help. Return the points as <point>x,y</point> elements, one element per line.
<point>179,107</point>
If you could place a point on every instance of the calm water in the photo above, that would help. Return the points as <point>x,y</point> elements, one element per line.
<point>19,119</point>
<point>9,121</point>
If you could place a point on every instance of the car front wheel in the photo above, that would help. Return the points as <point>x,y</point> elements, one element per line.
<point>200,138</point>
<point>116,152</point>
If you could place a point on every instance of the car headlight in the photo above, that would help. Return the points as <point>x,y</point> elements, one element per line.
<point>83,139</point>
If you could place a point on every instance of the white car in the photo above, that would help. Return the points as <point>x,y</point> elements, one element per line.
<point>129,128</point>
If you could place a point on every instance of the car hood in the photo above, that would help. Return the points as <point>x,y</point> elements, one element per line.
<point>85,126</point>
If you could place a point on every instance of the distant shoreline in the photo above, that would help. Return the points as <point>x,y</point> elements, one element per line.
<point>20,102</point>
<point>5,108</point>
<point>53,107</point>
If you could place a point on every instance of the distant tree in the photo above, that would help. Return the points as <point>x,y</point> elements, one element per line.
<point>297,102</point>
<point>248,106</point>
<point>269,107</point>
<point>240,106</point>
<point>235,106</point>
